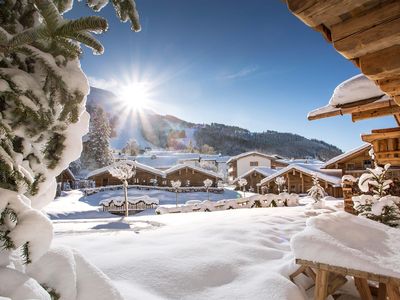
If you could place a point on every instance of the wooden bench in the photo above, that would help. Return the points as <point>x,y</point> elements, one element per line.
<point>328,279</point>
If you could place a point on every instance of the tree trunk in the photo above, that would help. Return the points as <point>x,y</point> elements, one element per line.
<point>176,195</point>
<point>126,199</point>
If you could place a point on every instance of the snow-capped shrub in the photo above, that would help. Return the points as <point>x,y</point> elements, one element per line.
<point>379,206</point>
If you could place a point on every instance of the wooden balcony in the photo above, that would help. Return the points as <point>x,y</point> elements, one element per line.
<point>386,144</point>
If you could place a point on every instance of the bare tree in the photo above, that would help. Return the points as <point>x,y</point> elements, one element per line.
<point>207,184</point>
<point>176,185</point>
<point>123,171</point>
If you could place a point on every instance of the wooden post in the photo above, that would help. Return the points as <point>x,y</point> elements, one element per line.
<point>347,187</point>
<point>392,291</point>
<point>382,291</point>
<point>302,183</point>
<point>363,288</point>
<point>321,285</point>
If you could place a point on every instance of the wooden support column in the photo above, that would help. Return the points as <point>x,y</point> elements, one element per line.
<point>392,291</point>
<point>347,187</point>
<point>302,182</point>
<point>288,182</point>
<point>321,285</point>
<point>363,288</point>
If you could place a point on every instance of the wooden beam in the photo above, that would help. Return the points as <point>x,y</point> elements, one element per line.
<point>390,85</point>
<point>374,113</point>
<point>371,40</point>
<point>355,107</point>
<point>382,13</point>
<point>328,12</point>
<point>397,99</point>
<point>397,118</point>
<point>381,64</point>
<point>380,136</point>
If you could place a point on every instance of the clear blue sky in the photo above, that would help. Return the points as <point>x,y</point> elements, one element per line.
<point>246,63</point>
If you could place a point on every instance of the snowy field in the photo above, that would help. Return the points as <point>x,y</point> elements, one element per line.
<point>235,254</point>
<point>74,205</point>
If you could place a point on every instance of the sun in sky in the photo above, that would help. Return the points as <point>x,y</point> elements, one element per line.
<point>135,95</point>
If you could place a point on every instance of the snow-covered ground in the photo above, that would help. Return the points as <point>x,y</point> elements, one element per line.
<point>235,254</point>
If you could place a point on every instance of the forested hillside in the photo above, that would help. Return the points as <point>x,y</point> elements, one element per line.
<point>232,140</point>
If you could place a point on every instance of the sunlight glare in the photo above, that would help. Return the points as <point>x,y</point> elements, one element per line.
<point>135,95</point>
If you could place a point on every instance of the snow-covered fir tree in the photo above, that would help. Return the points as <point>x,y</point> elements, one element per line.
<point>317,192</point>
<point>380,206</point>
<point>131,148</point>
<point>96,149</point>
<point>42,120</point>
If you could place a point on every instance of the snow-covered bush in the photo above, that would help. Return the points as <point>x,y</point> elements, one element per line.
<point>379,206</point>
<point>43,118</point>
<point>280,182</point>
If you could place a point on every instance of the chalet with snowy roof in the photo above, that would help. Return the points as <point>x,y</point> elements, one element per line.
<point>298,179</point>
<point>254,177</point>
<point>190,175</point>
<point>244,162</point>
<point>65,180</point>
<point>144,175</point>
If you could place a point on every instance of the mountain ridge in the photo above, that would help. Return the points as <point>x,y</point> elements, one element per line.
<point>154,130</point>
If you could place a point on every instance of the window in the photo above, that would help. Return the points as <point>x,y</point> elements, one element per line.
<point>253,163</point>
<point>367,163</point>
<point>350,166</point>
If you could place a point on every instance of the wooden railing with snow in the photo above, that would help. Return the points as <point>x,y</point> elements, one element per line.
<point>116,205</point>
<point>268,200</point>
<point>91,191</point>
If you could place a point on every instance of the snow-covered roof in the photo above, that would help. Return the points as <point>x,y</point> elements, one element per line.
<point>131,162</point>
<point>168,159</point>
<point>309,169</point>
<point>346,155</point>
<point>241,155</point>
<point>196,168</point>
<point>356,89</point>
<point>265,171</point>
<point>310,161</point>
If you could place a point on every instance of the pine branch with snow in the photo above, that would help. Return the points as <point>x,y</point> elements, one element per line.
<point>43,118</point>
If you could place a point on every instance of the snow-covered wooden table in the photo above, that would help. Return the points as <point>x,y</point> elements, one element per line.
<point>333,246</point>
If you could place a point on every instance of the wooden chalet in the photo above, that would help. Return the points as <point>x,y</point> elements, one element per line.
<point>144,175</point>
<point>299,180</point>
<point>66,178</point>
<point>190,175</point>
<point>367,32</point>
<point>355,162</point>
<point>244,162</point>
<point>254,177</point>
